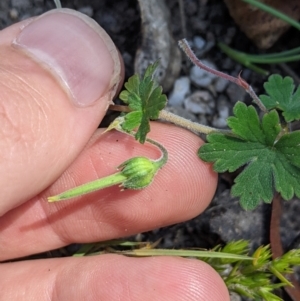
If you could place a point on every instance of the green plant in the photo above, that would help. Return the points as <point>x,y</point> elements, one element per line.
<point>265,146</point>
<point>249,276</point>
<point>250,60</point>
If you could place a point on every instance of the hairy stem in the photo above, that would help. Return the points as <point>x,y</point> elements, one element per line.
<point>189,125</point>
<point>183,44</point>
<point>175,119</point>
<point>164,157</point>
<point>162,160</point>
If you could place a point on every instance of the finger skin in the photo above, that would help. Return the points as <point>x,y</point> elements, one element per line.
<point>41,130</point>
<point>41,133</point>
<point>180,191</point>
<point>111,277</point>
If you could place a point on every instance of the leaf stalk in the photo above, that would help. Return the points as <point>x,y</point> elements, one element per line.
<point>188,124</point>
<point>183,44</point>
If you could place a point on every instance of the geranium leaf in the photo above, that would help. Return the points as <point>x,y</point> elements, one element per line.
<point>281,96</point>
<point>145,99</point>
<point>270,156</point>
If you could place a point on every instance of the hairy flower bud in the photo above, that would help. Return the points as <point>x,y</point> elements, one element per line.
<point>139,172</point>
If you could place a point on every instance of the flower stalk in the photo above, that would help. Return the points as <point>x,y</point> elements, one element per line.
<point>135,173</point>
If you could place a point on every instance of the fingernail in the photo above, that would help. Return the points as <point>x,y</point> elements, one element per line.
<point>75,49</point>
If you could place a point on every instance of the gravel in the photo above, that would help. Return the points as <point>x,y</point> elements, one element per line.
<point>196,95</point>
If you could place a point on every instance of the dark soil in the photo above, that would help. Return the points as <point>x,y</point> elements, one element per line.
<point>210,20</point>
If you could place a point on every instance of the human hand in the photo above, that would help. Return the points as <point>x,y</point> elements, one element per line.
<point>58,74</point>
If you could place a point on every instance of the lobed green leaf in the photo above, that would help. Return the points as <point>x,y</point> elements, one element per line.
<point>281,96</point>
<point>270,156</point>
<point>145,99</point>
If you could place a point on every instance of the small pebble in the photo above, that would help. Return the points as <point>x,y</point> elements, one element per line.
<point>200,77</point>
<point>221,84</point>
<point>87,10</point>
<point>14,14</point>
<point>219,120</point>
<point>180,111</point>
<point>199,42</point>
<point>235,297</point>
<point>200,102</point>
<point>235,93</point>
<point>182,88</point>
<point>139,237</point>
<point>231,222</point>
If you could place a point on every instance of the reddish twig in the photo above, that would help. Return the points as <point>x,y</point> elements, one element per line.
<point>183,44</point>
<point>276,245</point>
<point>119,108</point>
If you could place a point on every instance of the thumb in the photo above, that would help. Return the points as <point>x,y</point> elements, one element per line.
<point>58,74</point>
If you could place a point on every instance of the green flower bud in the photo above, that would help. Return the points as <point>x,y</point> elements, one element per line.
<point>139,172</point>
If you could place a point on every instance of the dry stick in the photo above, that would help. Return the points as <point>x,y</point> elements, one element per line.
<point>119,108</point>
<point>276,245</point>
<point>183,44</point>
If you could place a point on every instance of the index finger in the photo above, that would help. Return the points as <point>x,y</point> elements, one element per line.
<point>180,191</point>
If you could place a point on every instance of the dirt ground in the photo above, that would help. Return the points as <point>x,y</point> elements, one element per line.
<point>206,22</point>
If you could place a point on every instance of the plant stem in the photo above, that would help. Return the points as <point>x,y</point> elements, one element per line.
<point>98,184</point>
<point>57,3</point>
<point>119,108</point>
<point>164,157</point>
<point>273,58</point>
<point>145,252</point>
<point>189,125</point>
<point>173,118</point>
<point>183,44</point>
<point>242,58</point>
<point>162,160</point>
<point>277,274</point>
<point>277,248</point>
